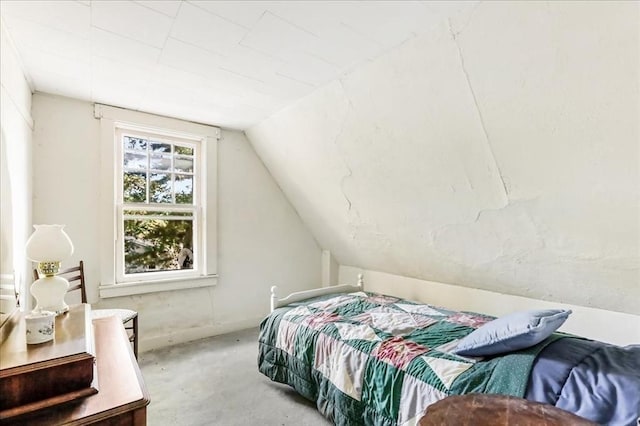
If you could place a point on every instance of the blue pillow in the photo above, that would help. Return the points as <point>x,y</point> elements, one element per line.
<point>512,332</point>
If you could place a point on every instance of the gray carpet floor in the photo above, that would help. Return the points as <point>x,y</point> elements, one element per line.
<point>215,381</point>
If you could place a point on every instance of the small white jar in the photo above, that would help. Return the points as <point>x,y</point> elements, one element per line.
<point>40,327</point>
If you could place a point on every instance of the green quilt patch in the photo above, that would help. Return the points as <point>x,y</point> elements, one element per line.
<point>383,386</point>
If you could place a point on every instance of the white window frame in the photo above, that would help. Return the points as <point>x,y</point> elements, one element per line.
<point>198,208</point>
<point>110,119</point>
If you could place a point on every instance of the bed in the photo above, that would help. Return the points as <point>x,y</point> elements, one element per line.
<point>373,359</point>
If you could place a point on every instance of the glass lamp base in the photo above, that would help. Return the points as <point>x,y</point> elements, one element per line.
<point>49,293</point>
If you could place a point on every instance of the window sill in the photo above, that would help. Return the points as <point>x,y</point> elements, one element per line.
<point>142,287</point>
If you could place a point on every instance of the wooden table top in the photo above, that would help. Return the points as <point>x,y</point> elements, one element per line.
<point>70,340</point>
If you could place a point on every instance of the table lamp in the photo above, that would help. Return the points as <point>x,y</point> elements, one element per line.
<point>48,246</point>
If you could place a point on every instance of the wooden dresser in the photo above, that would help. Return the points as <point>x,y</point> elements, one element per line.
<point>121,397</point>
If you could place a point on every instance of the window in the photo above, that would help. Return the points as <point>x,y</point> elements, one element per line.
<point>167,212</point>
<point>160,203</point>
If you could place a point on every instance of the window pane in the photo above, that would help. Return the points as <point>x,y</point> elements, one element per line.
<point>134,188</point>
<point>157,245</point>
<point>135,143</point>
<point>160,188</point>
<point>160,147</point>
<point>135,160</point>
<point>184,150</point>
<point>183,164</point>
<point>184,189</point>
<point>160,162</point>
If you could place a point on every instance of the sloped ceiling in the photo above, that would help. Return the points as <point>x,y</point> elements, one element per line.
<point>226,63</point>
<point>499,150</point>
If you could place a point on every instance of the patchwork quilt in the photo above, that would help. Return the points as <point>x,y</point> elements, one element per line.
<point>372,359</point>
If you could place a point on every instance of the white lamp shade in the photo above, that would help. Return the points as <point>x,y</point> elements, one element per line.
<point>49,243</point>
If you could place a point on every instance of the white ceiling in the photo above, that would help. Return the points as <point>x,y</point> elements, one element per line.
<point>227,63</point>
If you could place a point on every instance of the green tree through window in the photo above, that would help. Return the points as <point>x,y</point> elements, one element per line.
<point>159,211</point>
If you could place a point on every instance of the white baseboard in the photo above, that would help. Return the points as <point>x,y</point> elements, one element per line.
<point>607,326</point>
<point>184,336</point>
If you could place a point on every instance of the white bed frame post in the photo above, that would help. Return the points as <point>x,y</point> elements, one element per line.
<point>307,294</point>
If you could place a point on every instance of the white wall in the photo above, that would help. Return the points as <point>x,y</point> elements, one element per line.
<point>16,124</point>
<point>607,326</point>
<point>261,239</point>
<point>499,151</point>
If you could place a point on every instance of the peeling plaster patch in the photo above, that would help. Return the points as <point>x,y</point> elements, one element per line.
<point>342,155</point>
<point>469,183</point>
<point>494,234</point>
<point>466,21</point>
<point>344,92</point>
<point>346,197</point>
<point>509,250</point>
<point>454,35</point>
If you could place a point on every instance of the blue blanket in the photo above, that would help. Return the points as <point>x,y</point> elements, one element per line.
<point>595,380</point>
